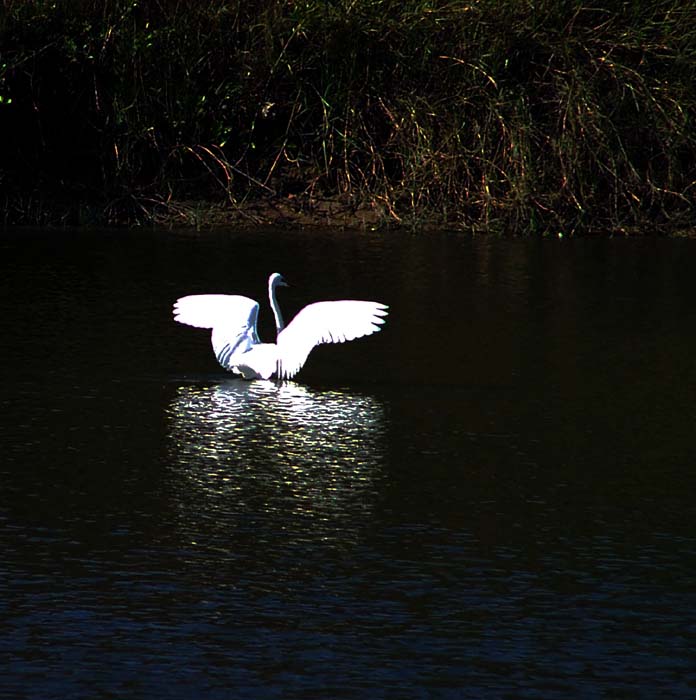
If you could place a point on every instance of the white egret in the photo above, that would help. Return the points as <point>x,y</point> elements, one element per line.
<point>236,343</point>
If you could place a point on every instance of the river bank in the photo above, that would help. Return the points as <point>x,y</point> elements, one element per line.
<point>537,118</point>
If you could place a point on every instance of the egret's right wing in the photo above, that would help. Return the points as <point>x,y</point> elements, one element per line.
<point>325,322</point>
<point>231,317</point>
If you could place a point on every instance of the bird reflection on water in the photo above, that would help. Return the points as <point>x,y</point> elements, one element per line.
<point>281,456</point>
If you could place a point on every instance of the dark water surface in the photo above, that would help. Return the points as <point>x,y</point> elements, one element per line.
<point>494,497</point>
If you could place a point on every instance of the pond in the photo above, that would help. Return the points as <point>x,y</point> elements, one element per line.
<point>492,497</point>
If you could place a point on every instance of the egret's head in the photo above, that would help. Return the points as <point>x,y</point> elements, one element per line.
<point>276,280</point>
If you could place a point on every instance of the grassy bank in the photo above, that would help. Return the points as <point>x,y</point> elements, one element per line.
<point>498,114</point>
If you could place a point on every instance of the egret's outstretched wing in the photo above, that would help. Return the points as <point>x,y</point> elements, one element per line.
<point>325,322</point>
<point>232,318</point>
<point>210,310</point>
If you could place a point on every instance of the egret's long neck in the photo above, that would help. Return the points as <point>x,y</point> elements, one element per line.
<point>274,305</point>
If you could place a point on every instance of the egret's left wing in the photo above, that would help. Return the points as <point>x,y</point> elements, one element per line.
<point>325,322</point>
<point>232,319</point>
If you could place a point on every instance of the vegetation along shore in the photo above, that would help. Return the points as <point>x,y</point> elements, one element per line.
<point>525,116</point>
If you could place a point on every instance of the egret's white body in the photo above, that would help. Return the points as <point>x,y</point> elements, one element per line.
<point>236,343</point>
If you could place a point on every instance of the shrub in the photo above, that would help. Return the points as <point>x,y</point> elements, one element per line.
<point>500,114</point>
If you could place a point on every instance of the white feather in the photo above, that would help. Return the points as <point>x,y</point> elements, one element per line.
<point>259,362</point>
<point>210,310</point>
<point>235,340</point>
<point>325,322</point>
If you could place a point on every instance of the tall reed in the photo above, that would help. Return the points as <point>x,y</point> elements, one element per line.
<point>532,116</point>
